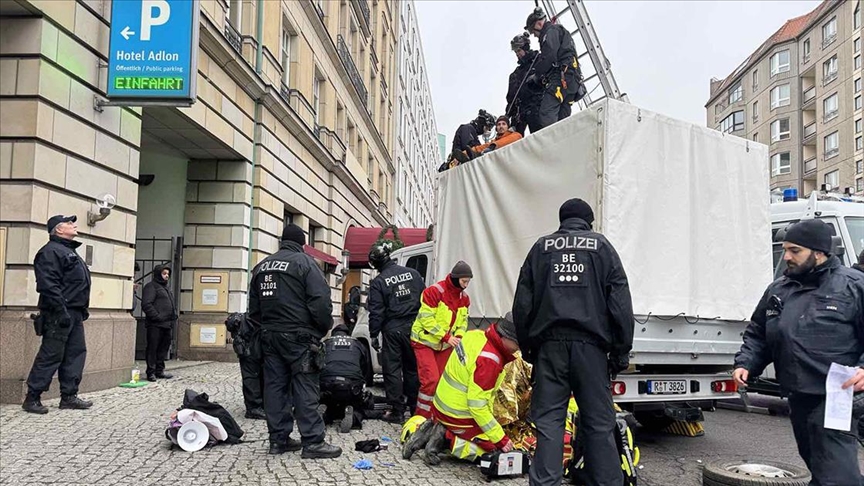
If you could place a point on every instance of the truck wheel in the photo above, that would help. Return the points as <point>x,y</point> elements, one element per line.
<point>754,473</point>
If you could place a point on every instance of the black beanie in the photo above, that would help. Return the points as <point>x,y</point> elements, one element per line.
<point>813,234</point>
<point>461,270</point>
<point>294,233</point>
<point>576,208</point>
<point>506,329</point>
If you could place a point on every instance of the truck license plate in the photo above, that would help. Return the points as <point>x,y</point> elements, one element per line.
<point>677,387</point>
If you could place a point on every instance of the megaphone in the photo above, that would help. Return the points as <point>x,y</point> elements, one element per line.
<point>193,436</point>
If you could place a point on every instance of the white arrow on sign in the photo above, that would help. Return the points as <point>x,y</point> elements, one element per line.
<point>126,32</point>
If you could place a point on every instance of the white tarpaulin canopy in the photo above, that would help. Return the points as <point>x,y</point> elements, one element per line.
<point>686,207</point>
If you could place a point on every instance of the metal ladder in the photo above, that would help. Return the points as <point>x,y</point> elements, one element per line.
<point>597,73</point>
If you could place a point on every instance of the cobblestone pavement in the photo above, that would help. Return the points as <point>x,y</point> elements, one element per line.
<point>121,441</point>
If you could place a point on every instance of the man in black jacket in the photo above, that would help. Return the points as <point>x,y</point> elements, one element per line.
<point>290,297</point>
<point>574,320</point>
<point>807,319</point>
<point>523,98</point>
<point>160,314</point>
<point>63,284</point>
<point>246,337</point>
<point>343,380</point>
<point>556,71</point>
<point>394,300</point>
<point>468,135</point>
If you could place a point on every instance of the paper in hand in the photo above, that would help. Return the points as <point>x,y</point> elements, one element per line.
<point>838,402</point>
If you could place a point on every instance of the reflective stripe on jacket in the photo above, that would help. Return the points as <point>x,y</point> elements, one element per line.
<point>466,392</point>
<point>443,313</point>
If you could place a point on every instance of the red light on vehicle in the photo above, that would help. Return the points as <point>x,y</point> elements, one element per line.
<point>618,388</point>
<point>724,386</point>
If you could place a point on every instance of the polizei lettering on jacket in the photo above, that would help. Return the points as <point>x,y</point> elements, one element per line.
<point>402,277</point>
<point>274,266</point>
<point>570,242</point>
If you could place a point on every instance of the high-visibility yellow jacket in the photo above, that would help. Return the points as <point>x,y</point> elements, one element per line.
<point>466,392</point>
<point>443,313</point>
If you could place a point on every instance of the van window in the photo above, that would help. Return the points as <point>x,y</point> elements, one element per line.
<point>855,226</point>
<point>419,263</point>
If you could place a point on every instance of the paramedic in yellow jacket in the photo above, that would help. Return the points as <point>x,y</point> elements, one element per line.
<point>463,404</point>
<point>440,325</point>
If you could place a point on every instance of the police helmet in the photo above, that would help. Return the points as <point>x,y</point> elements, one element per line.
<point>484,121</point>
<point>379,255</point>
<point>537,14</point>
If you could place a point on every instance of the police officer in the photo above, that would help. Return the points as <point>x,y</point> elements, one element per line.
<point>556,71</point>
<point>523,98</point>
<point>343,380</point>
<point>574,320</point>
<point>290,297</point>
<point>468,135</point>
<point>246,337</point>
<point>811,317</point>
<point>394,300</point>
<point>63,284</point>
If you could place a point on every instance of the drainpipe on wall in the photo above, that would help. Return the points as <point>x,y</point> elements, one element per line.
<point>256,134</point>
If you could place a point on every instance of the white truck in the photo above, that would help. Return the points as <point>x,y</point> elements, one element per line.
<point>687,209</point>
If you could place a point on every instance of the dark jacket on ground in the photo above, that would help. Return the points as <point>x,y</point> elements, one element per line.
<point>344,357</point>
<point>201,402</point>
<point>394,299</point>
<point>62,278</point>
<point>289,294</point>
<point>572,287</point>
<point>529,95</point>
<point>810,323</point>
<point>157,301</point>
<point>556,49</point>
<point>466,137</point>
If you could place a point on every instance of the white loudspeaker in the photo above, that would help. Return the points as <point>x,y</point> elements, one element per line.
<point>193,436</point>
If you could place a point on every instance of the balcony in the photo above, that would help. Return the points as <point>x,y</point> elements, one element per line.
<point>364,9</point>
<point>353,74</point>
<point>829,40</point>
<point>809,95</point>
<point>832,153</point>
<point>809,131</point>
<point>829,77</point>
<point>233,37</point>
<point>383,88</point>
<point>810,165</point>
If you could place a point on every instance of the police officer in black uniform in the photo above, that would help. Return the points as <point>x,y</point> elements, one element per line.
<point>343,379</point>
<point>63,284</point>
<point>523,98</point>
<point>290,297</point>
<point>556,71</point>
<point>574,320</point>
<point>807,319</point>
<point>246,337</point>
<point>468,135</point>
<point>394,300</point>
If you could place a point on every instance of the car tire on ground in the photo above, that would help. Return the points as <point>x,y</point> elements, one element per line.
<point>754,473</point>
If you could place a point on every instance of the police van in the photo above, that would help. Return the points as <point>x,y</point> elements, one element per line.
<point>685,207</point>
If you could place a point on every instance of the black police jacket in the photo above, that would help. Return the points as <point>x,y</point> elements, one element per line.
<point>522,95</point>
<point>394,298</point>
<point>572,287</point>
<point>802,325</point>
<point>62,277</point>
<point>466,137</point>
<point>344,357</point>
<point>289,294</point>
<point>157,302</point>
<point>556,49</point>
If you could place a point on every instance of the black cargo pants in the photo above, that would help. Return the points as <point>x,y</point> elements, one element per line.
<point>399,364</point>
<point>831,455</point>
<point>64,351</point>
<point>252,373</point>
<point>562,368</point>
<point>158,343</point>
<point>291,389</point>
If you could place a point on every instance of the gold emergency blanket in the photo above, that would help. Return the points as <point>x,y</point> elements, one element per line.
<point>513,399</point>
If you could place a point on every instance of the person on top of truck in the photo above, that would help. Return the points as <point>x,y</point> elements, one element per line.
<point>556,71</point>
<point>440,325</point>
<point>574,319</point>
<point>523,99</point>
<point>504,135</point>
<point>467,136</point>
<point>807,319</point>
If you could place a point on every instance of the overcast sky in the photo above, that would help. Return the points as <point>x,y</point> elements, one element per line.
<point>663,54</point>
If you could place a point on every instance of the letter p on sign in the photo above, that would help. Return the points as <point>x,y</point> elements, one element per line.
<point>147,18</point>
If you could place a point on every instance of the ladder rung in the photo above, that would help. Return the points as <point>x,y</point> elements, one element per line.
<point>559,14</point>
<point>583,55</point>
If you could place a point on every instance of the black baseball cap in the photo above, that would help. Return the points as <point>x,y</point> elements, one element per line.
<point>59,218</point>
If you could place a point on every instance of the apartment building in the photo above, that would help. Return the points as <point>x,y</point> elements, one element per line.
<point>416,150</point>
<point>293,122</point>
<point>800,93</point>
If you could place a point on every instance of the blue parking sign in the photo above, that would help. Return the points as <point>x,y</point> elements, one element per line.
<point>153,52</point>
